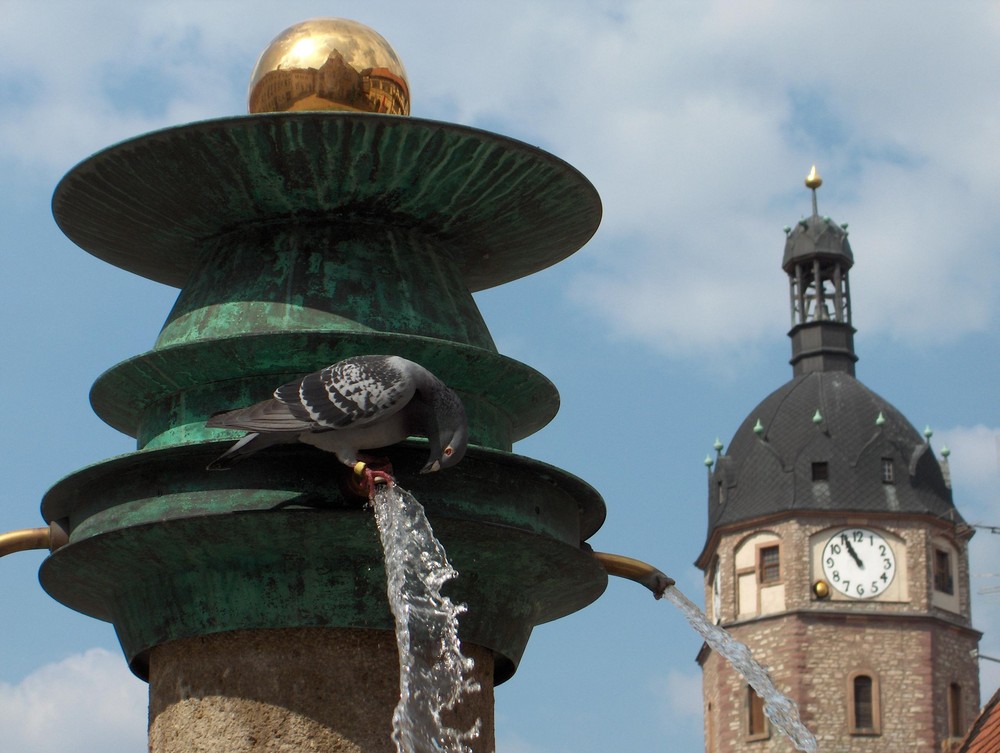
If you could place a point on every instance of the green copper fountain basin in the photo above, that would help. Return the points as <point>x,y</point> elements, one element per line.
<point>164,396</point>
<point>300,239</point>
<point>166,550</point>
<point>505,209</point>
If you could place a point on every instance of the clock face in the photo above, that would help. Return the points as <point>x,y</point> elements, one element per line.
<point>859,563</point>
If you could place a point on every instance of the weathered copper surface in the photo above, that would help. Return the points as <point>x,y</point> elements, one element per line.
<point>301,239</point>
<point>504,208</point>
<point>162,397</point>
<point>166,550</point>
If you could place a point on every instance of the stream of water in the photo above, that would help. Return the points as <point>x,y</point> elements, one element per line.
<point>433,674</point>
<point>779,708</point>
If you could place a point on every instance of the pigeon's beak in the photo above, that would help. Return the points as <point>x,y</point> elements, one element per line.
<point>431,467</point>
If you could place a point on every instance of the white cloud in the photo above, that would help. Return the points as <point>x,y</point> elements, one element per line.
<point>87,703</point>
<point>696,122</point>
<point>697,125</point>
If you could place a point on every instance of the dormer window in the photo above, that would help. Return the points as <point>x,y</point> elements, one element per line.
<point>888,474</point>
<point>820,471</point>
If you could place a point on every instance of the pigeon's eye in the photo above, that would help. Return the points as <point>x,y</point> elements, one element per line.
<point>448,452</point>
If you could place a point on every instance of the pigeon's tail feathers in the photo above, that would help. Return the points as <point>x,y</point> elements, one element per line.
<point>246,446</point>
<point>268,416</point>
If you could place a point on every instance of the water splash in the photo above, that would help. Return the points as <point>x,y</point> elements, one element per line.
<point>779,708</point>
<point>433,673</point>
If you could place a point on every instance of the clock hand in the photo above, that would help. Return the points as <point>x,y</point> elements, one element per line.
<point>854,555</point>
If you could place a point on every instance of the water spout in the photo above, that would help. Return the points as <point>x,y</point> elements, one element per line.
<point>642,573</point>
<point>434,675</point>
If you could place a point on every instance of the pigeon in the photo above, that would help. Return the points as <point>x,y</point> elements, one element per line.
<point>360,403</point>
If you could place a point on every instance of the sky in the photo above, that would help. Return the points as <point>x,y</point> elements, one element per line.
<point>697,123</point>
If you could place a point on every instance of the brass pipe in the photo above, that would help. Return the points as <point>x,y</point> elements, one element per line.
<point>49,537</point>
<point>641,572</point>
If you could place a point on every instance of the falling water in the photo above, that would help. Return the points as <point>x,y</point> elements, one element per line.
<point>780,709</point>
<point>433,673</point>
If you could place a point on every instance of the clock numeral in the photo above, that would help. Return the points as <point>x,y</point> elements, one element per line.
<point>847,585</point>
<point>829,561</point>
<point>887,563</point>
<point>884,577</point>
<point>859,536</point>
<point>861,590</point>
<point>881,550</point>
<point>835,548</point>
<point>874,586</point>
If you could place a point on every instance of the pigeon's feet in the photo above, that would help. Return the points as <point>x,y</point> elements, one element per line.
<point>366,479</point>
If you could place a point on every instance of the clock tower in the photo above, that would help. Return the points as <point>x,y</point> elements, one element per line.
<point>834,549</point>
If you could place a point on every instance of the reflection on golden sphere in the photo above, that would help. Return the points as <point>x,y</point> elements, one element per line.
<point>813,180</point>
<point>329,64</point>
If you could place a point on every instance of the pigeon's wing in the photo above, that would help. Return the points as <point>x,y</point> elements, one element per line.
<point>353,393</point>
<point>269,416</point>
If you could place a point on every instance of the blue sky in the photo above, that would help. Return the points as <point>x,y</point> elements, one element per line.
<point>697,123</point>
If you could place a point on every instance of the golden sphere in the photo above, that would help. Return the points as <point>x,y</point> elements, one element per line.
<point>813,180</point>
<point>329,64</point>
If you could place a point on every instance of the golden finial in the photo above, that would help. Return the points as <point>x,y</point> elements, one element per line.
<point>329,64</point>
<point>813,181</point>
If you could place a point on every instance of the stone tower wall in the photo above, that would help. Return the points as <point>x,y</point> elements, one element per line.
<point>813,648</point>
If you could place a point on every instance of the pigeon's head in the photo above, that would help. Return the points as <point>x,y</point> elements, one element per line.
<point>450,435</point>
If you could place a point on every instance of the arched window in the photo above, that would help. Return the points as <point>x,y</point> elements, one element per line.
<point>710,729</point>
<point>757,727</point>
<point>863,704</point>
<point>955,710</point>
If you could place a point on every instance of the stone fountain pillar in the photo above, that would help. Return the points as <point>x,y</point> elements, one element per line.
<point>253,600</point>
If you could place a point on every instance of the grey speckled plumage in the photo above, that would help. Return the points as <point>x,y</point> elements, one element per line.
<point>360,403</point>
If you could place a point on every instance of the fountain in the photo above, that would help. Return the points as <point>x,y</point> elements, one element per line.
<point>320,226</point>
<point>299,238</point>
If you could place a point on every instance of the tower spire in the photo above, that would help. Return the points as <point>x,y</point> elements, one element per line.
<point>817,259</point>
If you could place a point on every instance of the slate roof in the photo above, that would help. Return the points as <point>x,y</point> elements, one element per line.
<point>773,472</point>
<point>817,237</point>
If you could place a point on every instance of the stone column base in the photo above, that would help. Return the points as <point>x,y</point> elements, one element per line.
<point>290,691</point>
